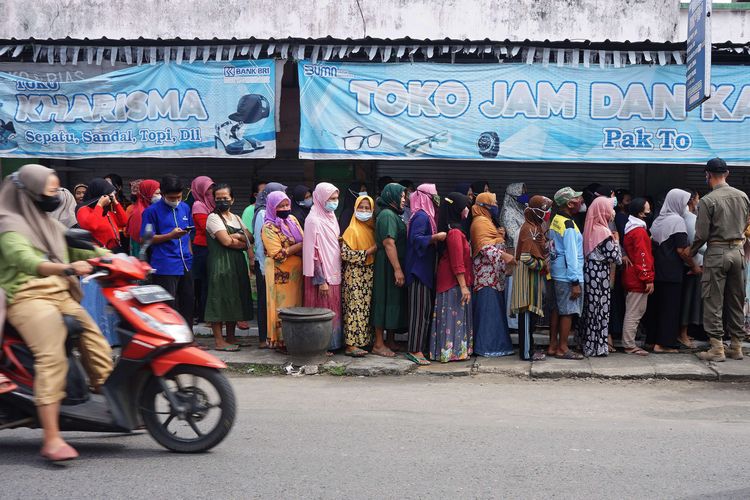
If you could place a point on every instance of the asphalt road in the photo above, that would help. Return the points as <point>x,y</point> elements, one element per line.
<point>419,437</point>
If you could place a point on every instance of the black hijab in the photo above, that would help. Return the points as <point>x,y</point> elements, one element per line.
<point>98,187</point>
<point>298,196</point>
<point>350,198</point>
<point>451,208</point>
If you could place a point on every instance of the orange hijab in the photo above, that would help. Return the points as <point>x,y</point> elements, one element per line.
<point>483,230</point>
<point>361,235</point>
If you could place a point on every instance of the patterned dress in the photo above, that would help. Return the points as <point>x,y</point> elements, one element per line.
<point>491,335</point>
<point>357,296</point>
<point>283,278</point>
<point>596,305</point>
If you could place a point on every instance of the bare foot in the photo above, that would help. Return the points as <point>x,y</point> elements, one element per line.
<point>384,352</point>
<point>664,350</point>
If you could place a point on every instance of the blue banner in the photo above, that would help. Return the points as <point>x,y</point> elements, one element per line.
<point>519,112</point>
<point>215,109</point>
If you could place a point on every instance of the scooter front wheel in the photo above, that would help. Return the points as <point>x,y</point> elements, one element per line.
<point>189,410</point>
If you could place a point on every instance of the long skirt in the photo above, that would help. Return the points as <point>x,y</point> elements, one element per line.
<point>596,310</point>
<point>96,305</point>
<point>691,312</point>
<point>452,334</point>
<point>421,305</point>
<point>492,338</point>
<point>332,302</point>
<point>666,314</point>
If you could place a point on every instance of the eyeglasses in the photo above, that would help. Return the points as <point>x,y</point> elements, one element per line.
<point>357,137</point>
<point>423,145</point>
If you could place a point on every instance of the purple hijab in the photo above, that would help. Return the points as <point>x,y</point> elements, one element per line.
<point>290,229</point>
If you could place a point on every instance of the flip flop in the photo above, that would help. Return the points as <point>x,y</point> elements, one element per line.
<point>420,361</point>
<point>571,355</point>
<point>229,348</point>
<point>637,351</point>
<point>539,356</point>
<point>356,353</point>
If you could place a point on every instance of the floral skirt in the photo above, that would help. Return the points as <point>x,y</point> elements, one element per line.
<point>452,333</point>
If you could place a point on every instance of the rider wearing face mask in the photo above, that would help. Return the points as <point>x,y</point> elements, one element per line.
<point>171,256</point>
<point>39,277</point>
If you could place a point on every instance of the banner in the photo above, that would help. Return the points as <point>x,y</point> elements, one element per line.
<point>519,112</point>
<point>215,109</point>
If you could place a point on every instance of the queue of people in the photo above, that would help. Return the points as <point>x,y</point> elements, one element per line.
<point>456,273</point>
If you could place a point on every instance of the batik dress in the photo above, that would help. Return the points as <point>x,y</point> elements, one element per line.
<point>597,297</point>
<point>492,338</point>
<point>357,296</point>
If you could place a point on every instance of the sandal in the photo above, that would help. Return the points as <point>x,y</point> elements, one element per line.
<point>611,348</point>
<point>419,360</point>
<point>571,355</point>
<point>228,348</point>
<point>539,356</point>
<point>356,353</point>
<point>385,353</point>
<point>636,351</point>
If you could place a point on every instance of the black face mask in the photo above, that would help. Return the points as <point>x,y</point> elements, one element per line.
<point>49,203</point>
<point>133,197</point>
<point>283,214</point>
<point>223,205</point>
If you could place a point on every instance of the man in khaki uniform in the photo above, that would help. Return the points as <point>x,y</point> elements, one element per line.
<point>723,215</point>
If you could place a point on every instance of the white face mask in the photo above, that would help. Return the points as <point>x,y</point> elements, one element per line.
<point>363,193</point>
<point>583,208</point>
<point>155,198</point>
<point>363,216</point>
<point>306,203</point>
<point>173,204</point>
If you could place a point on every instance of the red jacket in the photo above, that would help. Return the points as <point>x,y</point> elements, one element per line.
<point>638,249</point>
<point>106,230</point>
<point>455,260</point>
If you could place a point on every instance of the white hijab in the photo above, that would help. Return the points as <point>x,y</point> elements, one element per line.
<point>671,219</point>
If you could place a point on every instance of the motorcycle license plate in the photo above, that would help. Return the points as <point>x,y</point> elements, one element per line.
<point>150,294</point>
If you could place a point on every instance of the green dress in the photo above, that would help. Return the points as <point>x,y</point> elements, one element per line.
<point>228,283</point>
<point>388,300</point>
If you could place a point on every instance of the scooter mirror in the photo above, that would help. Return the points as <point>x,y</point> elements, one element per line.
<point>146,240</point>
<point>80,239</point>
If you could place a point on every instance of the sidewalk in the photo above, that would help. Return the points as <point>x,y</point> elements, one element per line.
<point>616,366</point>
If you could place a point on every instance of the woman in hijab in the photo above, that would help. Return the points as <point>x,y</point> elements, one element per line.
<point>301,203</point>
<point>79,191</point>
<point>355,190</point>
<point>511,219</point>
<point>452,337</point>
<point>148,193</point>
<point>669,235</point>
<point>282,243</point>
<point>601,249</point>
<point>202,189</point>
<point>490,260</point>
<point>66,212</point>
<point>388,294</point>
<point>478,188</point>
<point>40,282</point>
<point>322,257</point>
<point>358,256</point>
<point>420,268</point>
<point>260,260</point>
<point>532,255</point>
<point>102,214</point>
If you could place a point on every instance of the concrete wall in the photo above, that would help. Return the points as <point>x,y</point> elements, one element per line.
<point>616,20</point>
<point>726,25</point>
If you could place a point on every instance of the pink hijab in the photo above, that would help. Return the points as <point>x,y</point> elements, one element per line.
<point>596,228</point>
<point>421,199</point>
<point>204,202</point>
<point>287,227</point>
<point>322,237</point>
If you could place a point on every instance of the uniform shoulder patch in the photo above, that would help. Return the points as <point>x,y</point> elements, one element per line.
<point>569,224</point>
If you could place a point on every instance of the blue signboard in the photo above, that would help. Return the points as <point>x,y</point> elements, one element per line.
<point>216,109</point>
<point>698,64</point>
<point>519,112</point>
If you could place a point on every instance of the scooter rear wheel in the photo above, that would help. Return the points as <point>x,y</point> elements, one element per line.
<point>207,414</point>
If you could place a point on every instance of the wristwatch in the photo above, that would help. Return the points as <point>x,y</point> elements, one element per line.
<point>70,271</point>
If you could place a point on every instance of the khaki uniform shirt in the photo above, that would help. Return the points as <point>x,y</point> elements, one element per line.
<point>722,216</point>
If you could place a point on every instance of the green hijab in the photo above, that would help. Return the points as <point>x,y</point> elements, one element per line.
<point>390,197</point>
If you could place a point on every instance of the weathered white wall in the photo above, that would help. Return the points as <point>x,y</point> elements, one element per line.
<point>726,25</point>
<point>616,20</point>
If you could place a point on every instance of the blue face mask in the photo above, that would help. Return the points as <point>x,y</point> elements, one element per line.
<point>614,203</point>
<point>306,203</point>
<point>331,206</point>
<point>494,210</point>
<point>523,199</point>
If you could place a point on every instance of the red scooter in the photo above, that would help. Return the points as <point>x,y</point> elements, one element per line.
<point>161,380</point>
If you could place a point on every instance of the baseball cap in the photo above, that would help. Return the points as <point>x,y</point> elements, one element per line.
<point>563,196</point>
<point>717,166</point>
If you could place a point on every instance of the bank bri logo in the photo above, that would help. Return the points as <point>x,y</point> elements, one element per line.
<point>230,71</point>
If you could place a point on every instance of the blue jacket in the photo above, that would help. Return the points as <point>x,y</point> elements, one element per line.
<point>566,250</point>
<point>173,257</point>
<point>420,252</point>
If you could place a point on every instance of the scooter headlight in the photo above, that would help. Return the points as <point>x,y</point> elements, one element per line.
<point>181,333</point>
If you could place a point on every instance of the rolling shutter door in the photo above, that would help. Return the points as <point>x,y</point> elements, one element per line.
<point>540,178</point>
<point>695,178</point>
<point>240,174</point>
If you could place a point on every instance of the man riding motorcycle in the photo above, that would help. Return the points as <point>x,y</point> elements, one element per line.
<point>39,276</point>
